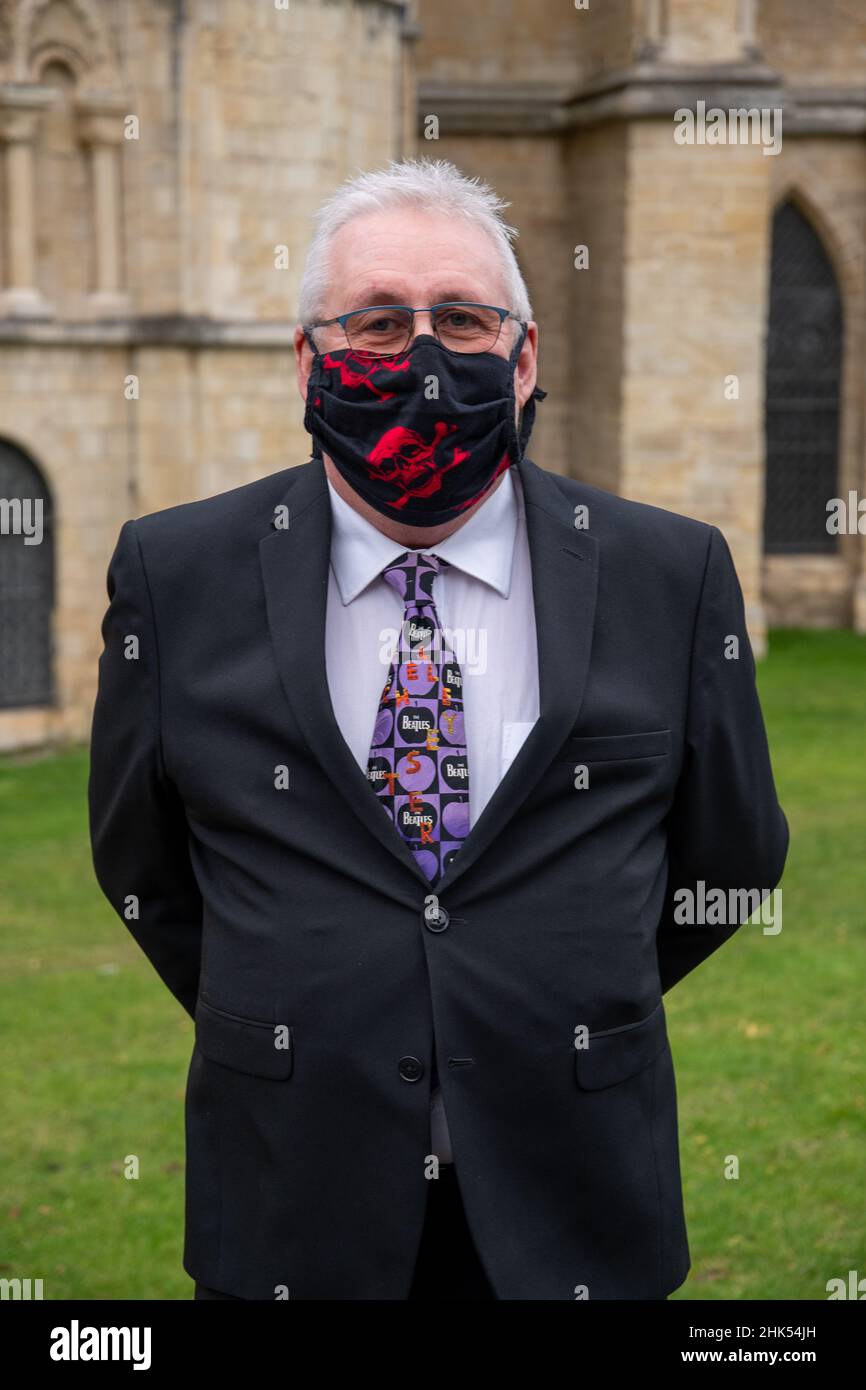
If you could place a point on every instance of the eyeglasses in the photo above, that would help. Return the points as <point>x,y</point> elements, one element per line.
<point>384,330</point>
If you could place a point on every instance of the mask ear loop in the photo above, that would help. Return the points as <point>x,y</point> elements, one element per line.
<point>527,418</point>
<point>316,452</point>
<point>527,415</point>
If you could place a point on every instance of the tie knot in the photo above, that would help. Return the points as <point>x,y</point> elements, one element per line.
<point>412,574</point>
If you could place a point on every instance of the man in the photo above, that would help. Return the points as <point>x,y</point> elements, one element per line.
<point>404,759</point>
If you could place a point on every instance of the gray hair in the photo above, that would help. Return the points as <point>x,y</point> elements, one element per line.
<point>433,185</point>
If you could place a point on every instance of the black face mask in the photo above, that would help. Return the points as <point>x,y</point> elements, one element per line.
<point>418,460</point>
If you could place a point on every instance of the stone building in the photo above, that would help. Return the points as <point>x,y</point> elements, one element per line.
<point>699,283</point>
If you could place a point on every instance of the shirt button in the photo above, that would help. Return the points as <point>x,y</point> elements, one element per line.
<point>411,1069</point>
<point>435,918</point>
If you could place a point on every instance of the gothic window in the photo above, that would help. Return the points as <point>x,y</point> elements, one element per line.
<point>26,582</point>
<point>804,362</point>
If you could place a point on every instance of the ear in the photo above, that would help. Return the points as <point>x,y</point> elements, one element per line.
<point>303,360</point>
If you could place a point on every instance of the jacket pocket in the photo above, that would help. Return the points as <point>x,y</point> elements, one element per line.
<point>611,747</point>
<point>244,1044</point>
<point>615,1054</point>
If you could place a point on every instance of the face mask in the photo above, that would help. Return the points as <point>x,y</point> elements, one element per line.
<point>418,460</point>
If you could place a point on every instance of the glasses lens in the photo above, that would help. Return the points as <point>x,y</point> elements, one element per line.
<point>379,331</point>
<point>467,327</point>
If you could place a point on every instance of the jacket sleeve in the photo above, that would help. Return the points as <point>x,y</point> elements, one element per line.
<point>726,829</point>
<point>138,826</point>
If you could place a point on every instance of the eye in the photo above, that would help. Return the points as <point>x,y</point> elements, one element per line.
<point>460,318</point>
<point>384,323</point>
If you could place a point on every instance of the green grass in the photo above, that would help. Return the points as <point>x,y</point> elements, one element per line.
<point>767,1034</point>
<point>95,1058</point>
<point>767,1037</point>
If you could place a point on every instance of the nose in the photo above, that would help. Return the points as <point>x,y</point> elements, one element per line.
<point>427,318</point>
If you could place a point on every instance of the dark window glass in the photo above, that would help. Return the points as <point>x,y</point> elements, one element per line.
<point>804,361</point>
<point>26,585</point>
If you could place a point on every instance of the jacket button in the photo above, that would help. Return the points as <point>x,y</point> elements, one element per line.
<point>411,1069</point>
<point>435,918</point>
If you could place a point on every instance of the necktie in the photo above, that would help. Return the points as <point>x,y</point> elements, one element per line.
<point>417,764</point>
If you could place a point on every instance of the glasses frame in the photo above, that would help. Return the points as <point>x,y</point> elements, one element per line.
<point>413,310</point>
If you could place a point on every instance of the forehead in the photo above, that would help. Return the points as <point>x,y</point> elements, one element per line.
<point>412,256</point>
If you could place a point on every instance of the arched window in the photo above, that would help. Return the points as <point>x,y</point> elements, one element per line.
<point>804,364</point>
<point>26,582</point>
<point>63,232</point>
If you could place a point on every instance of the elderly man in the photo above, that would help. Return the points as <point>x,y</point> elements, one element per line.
<point>403,762</point>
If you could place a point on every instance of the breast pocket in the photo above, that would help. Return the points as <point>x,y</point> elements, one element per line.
<point>614,1054</point>
<point>606,748</point>
<point>244,1044</point>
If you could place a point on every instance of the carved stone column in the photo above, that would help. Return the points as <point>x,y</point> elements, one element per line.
<point>20,108</point>
<point>100,128</point>
<point>747,19</point>
<point>652,30</point>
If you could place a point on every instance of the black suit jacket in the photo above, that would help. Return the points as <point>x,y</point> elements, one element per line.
<point>290,922</point>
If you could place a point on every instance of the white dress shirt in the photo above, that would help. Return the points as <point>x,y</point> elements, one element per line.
<point>484,602</point>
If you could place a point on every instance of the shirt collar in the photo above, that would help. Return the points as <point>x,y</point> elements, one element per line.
<point>483,548</point>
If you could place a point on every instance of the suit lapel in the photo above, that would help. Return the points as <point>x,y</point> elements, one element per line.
<point>564,565</point>
<point>295,563</point>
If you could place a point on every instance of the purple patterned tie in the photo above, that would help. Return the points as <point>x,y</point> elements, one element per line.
<point>418,764</point>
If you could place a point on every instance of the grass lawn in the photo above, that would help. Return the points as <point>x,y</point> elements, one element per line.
<point>767,1037</point>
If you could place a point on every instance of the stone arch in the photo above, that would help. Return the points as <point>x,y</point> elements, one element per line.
<point>63,189</point>
<point>60,53</point>
<point>817,208</point>
<point>95,47</point>
<point>49,477</point>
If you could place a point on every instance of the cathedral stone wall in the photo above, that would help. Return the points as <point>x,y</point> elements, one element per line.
<point>164,162</point>
<point>665,329</point>
<point>159,166</point>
